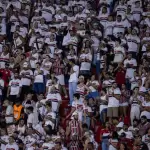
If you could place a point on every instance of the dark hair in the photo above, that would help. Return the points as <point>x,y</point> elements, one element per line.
<point>125,146</point>
<point>72,60</point>
<point>143,117</point>
<point>85,126</point>
<point>77,95</point>
<point>30,108</point>
<point>48,103</point>
<point>118,40</point>
<point>115,135</point>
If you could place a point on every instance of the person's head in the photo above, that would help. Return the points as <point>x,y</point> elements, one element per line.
<point>138,139</point>
<point>3,132</point>
<point>47,58</point>
<point>119,18</point>
<point>11,140</point>
<point>125,127</point>
<point>91,101</point>
<point>75,115</point>
<point>147,97</point>
<point>134,32</point>
<point>114,85</point>
<point>123,86</point>
<point>90,146</point>
<point>85,102</point>
<point>81,79</point>
<point>48,105</point>
<point>95,25</point>
<point>29,96</point>
<point>17,102</point>
<point>114,135</point>
<point>87,45</point>
<point>76,96</point>
<point>40,96</point>
<point>135,122</point>
<point>129,56</point>
<point>122,2</point>
<point>21,122</point>
<point>123,146</point>
<point>85,127</point>
<point>30,110</point>
<point>143,120</point>
<point>117,42</point>
<point>16,75</point>
<point>148,132</point>
<point>137,3</point>
<point>58,146</point>
<point>72,62</point>
<point>42,21</point>
<point>23,56</point>
<point>103,92</point>
<point>15,134</point>
<point>107,125</point>
<point>136,90</point>
<point>110,18</point>
<point>93,77</point>
<point>5,49</point>
<point>104,10</point>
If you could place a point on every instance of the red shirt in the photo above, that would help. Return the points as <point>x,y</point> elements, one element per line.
<point>6,74</point>
<point>120,77</point>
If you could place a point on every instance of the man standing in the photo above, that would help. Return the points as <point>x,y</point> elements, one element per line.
<point>14,88</point>
<point>73,79</point>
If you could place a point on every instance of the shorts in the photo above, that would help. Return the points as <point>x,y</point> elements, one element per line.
<point>61,79</point>
<point>112,112</point>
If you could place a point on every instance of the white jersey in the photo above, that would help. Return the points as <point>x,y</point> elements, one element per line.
<point>15,85</point>
<point>55,98</point>
<point>26,79</point>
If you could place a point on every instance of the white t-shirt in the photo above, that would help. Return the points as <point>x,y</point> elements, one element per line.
<point>25,79</point>
<point>119,54</point>
<point>137,13</point>
<point>15,85</point>
<point>49,122</point>
<point>39,78</point>
<point>78,105</point>
<point>9,111</point>
<point>75,74</point>
<point>113,102</point>
<point>86,65</point>
<point>13,146</point>
<point>133,42</point>
<point>130,71</point>
<point>33,119</point>
<point>6,139</point>
<point>55,98</point>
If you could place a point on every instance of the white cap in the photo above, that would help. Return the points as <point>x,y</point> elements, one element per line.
<point>120,125</point>
<point>117,91</point>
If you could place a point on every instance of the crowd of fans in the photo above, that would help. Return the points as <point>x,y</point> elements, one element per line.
<point>74,74</point>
